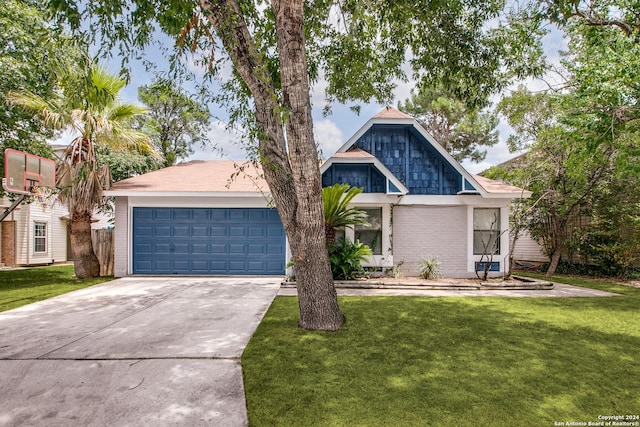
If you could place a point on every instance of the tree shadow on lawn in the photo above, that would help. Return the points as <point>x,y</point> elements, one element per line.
<point>431,361</point>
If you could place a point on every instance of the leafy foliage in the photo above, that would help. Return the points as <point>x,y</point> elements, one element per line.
<point>461,129</point>
<point>31,55</point>
<point>346,258</point>
<point>175,121</point>
<point>86,103</point>
<point>583,145</point>
<point>337,214</point>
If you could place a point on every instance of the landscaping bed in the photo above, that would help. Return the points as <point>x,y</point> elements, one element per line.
<point>515,283</point>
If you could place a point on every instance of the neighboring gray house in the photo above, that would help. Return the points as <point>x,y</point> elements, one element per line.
<point>194,218</point>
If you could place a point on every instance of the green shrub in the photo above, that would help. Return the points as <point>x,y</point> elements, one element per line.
<point>430,268</point>
<point>346,258</point>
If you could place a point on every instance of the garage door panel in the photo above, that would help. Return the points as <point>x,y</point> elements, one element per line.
<point>237,249</point>
<point>162,231</point>
<point>161,248</point>
<point>181,249</point>
<point>200,231</point>
<point>200,249</point>
<point>256,249</point>
<point>181,214</point>
<point>275,250</point>
<point>237,215</point>
<point>181,231</point>
<point>162,215</point>
<point>200,214</point>
<point>207,241</point>
<point>218,231</point>
<point>237,231</point>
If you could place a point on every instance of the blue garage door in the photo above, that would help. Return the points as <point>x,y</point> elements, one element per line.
<point>207,241</point>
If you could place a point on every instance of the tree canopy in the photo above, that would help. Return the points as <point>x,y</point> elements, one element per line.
<point>460,128</point>
<point>174,120</point>
<point>582,135</point>
<point>360,49</point>
<point>31,55</point>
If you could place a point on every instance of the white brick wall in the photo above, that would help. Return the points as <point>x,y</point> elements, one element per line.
<point>121,241</point>
<point>428,231</point>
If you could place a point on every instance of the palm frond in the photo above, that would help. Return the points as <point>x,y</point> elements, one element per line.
<point>336,199</point>
<point>49,111</point>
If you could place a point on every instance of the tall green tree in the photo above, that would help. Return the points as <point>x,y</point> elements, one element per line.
<point>175,121</point>
<point>582,133</point>
<point>462,129</point>
<point>87,104</point>
<point>278,50</point>
<point>30,56</point>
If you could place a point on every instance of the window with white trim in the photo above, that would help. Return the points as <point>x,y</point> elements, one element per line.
<point>486,231</point>
<point>39,237</point>
<point>371,235</point>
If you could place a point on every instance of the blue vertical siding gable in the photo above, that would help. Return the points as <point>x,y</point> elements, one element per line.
<point>412,159</point>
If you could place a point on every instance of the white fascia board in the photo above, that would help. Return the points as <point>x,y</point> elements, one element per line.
<point>190,194</point>
<point>367,160</point>
<point>454,200</point>
<point>516,195</point>
<point>376,198</point>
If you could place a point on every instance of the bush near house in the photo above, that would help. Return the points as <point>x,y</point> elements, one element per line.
<point>346,258</point>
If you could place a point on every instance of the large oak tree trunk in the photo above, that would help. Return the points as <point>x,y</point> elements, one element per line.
<point>294,175</point>
<point>316,292</point>
<point>85,262</point>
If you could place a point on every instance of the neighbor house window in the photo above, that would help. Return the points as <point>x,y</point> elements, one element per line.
<point>371,235</point>
<point>40,237</point>
<point>486,231</point>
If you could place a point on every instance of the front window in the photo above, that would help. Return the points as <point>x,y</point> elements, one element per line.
<point>371,235</point>
<point>40,237</point>
<point>486,231</point>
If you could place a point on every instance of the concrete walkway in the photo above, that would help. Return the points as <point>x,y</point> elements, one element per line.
<point>132,352</point>
<point>559,290</point>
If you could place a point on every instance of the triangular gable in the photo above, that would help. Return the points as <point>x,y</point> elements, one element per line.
<point>359,156</point>
<point>391,116</point>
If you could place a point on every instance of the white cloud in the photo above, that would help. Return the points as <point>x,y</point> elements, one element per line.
<point>328,136</point>
<point>223,144</point>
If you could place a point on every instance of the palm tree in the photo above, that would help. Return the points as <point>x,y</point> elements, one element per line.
<point>89,105</point>
<point>336,213</point>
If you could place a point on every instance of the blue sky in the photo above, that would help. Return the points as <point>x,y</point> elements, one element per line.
<point>330,131</point>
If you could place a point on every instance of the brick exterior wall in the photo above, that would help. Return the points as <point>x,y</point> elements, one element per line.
<point>427,231</point>
<point>8,243</point>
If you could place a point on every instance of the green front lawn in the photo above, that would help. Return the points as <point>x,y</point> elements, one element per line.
<point>416,361</point>
<point>21,287</point>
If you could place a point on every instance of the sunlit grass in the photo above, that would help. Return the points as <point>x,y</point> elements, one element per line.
<point>21,287</point>
<point>405,361</point>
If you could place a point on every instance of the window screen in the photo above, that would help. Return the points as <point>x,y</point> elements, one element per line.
<point>486,231</point>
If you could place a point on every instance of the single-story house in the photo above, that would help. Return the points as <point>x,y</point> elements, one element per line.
<point>215,217</point>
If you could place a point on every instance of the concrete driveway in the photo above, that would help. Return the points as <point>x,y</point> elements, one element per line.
<point>132,352</point>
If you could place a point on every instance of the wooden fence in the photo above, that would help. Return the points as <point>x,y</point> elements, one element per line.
<point>103,247</point>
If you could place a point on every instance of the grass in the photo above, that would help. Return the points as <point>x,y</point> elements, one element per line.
<point>21,287</point>
<point>415,361</point>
